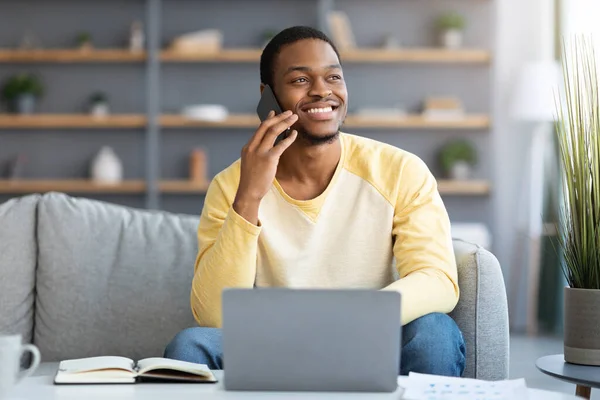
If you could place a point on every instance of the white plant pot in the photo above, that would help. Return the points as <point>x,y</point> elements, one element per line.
<point>452,39</point>
<point>106,167</point>
<point>460,171</point>
<point>99,110</point>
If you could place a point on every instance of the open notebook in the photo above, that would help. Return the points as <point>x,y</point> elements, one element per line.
<point>125,370</point>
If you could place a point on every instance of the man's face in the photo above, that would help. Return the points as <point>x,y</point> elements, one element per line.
<point>308,80</point>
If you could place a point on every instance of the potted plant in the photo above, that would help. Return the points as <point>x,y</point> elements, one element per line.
<point>451,26</point>
<point>20,93</point>
<point>457,158</point>
<point>84,41</point>
<point>98,104</point>
<point>578,228</point>
<point>267,35</point>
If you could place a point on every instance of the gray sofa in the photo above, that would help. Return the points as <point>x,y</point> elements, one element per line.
<point>82,278</point>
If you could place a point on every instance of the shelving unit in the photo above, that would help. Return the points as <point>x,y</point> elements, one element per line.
<point>165,134</point>
<point>70,56</point>
<point>469,188</point>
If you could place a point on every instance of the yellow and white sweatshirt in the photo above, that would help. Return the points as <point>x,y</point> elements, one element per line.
<point>380,224</point>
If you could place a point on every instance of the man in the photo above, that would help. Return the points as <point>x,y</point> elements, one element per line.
<point>325,209</point>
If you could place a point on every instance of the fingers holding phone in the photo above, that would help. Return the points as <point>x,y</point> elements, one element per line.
<point>277,130</point>
<point>271,126</point>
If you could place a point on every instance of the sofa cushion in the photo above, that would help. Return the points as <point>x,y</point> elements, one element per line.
<point>111,280</point>
<point>18,255</point>
<point>482,312</point>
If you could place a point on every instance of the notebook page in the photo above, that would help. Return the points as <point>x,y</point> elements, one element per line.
<point>94,364</point>
<point>149,364</point>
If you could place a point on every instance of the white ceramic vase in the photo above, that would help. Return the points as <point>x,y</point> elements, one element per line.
<point>106,167</point>
<point>452,38</point>
<point>460,171</point>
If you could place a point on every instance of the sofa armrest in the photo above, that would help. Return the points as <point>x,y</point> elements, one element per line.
<point>482,312</point>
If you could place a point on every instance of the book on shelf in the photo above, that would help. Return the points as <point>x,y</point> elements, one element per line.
<point>112,369</point>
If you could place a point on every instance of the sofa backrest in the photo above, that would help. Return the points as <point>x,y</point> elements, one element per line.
<point>18,256</point>
<point>110,280</point>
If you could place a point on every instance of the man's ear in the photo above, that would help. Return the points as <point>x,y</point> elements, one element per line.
<point>262,87</point>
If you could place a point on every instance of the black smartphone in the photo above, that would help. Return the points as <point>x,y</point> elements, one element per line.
<point>268,102</point>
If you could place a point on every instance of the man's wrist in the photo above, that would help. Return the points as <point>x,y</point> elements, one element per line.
<point>247,209</point>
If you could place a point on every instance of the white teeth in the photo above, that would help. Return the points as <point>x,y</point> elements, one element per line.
<point>319,110</point>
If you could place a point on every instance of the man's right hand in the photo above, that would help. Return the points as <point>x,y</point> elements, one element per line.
<point>259,163</point>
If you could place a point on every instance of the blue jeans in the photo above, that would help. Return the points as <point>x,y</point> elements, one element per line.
<point>432,344</point>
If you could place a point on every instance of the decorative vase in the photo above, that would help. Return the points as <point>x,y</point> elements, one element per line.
<point>23,104</point>
<point>582,326</point>
<point>136,37</point>
<point>452,38</point>
<point>99,109</point>
<point>106,167</point>
<point>460,171</point>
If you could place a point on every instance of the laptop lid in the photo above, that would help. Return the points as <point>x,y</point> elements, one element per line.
<point>311,340</point>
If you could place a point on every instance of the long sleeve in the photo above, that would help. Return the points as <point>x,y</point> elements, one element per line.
<point>422,245</point>
<point>227,251</point>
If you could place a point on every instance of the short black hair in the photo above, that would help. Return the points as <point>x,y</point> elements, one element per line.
<point>282,39</point>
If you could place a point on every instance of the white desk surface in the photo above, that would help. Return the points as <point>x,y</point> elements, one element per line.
<point>40,386</point>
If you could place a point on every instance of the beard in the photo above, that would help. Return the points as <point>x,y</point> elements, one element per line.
<point>312,139</point>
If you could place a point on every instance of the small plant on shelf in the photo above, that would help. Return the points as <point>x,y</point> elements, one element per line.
<point>267,35</point>
<point>457,159</point>
<point>98,104</point>
<point>451,26</point>
<point>21,91</point>
<point>84,41</point>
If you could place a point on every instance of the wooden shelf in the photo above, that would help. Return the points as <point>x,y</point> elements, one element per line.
<point>70,56</point>
<point>49,121</point>
<point>225,55</point>
<point>352,122</point>
<point>232,121</point>
<point>70,186</point>
<point>83,186</point>
<point>86,186</point>
<point>416,55</point>
<point>417,121</point>
<point>247,55</point>
<point>8,121</point>
<point>364,55</point>
<point>183,186</point>
<point>474,187</point>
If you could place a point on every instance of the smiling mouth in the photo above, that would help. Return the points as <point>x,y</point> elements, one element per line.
<point>321,110</point>
<point>326,113</point>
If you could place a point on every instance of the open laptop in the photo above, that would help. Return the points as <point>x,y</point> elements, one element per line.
<point>311,340</point>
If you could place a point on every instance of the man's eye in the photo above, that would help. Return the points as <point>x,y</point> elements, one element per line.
<point>300,80</point>
<point>335,77</point>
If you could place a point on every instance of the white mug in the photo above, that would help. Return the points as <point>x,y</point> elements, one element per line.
<point>11,351</point>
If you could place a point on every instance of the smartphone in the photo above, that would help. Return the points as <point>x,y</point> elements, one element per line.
<point>268,102</point>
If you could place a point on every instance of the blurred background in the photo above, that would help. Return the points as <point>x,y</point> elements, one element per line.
<point>142,102</point>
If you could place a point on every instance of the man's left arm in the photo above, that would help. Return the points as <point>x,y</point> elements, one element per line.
<point>422,245</point>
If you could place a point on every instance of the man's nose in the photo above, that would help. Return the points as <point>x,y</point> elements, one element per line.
<point>320,89</point>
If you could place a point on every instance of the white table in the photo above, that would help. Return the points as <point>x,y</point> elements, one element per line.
<point>40,387</point>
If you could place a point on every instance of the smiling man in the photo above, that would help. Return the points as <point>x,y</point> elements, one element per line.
<point>325,209</point>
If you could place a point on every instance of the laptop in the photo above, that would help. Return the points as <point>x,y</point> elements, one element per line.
<point>311,340</point>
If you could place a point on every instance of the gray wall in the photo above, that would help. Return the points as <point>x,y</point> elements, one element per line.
<point>60,153</point>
